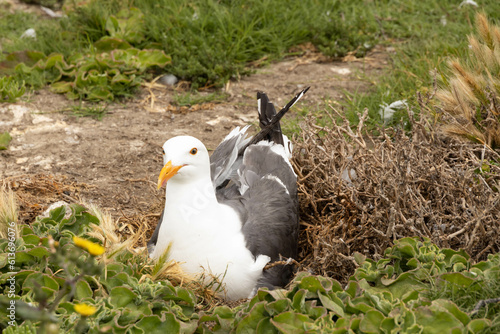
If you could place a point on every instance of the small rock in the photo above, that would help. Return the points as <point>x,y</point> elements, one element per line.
<point>341,71</point>
<point>43,163</point>
<point>217,120</point>
<point>168,80</point>
<point>468,3</point>
<point>30,33</point>
<point>72,140</point>
<point>56,205</point>
<point>17,111</point>
<point>136,145</point>
<point>37,119</point>
<point>50,12</point>
<point>21,160</point>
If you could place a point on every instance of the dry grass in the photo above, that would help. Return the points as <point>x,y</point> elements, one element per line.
<point>358,193</point>
<point>470,101</point>
<point>8,211</point>
<point>35,192</point>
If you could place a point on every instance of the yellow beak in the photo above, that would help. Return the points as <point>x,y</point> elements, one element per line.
<point>167,172</point>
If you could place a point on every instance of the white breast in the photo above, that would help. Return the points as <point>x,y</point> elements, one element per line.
<point>211,241</point>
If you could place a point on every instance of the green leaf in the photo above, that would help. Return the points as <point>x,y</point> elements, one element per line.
<point>312,284</point>
<point>23,257</point>
<point>154,325</point>
<point>31,239</point>
<point>83,290</point>
<point>186,295</point>
<point>458,279</point>
<point>66,308</point>
<point>79,221</point>
<point>435,319</point>
<point>39,252</point>
<point>42,284</point>
<point>115,280</point>
<point>453,309</point>
<point>291,322</point>
<point>121,296</point>
<point>478,325</point>
<point>278,306</point>
<point>56,214</point>
<point>359,258</point>
<point>62,87</point>
<point>371,322</point>
<point>250,322</point>
<point>26,230</point>
<point>299,299</point>
<point>224,312</point>
<point>332,303</point>
<point>3,259</point>
<point>5,139</point>
<point>265,326</point>
<point>149,58</point>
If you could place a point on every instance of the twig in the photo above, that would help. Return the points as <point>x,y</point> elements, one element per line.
<point>482,303</point>
<point>288,262</point>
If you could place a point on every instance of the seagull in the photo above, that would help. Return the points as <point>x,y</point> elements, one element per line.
<point>228,215</point>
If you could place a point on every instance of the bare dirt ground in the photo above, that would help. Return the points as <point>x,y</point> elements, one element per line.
<point>115,162</point>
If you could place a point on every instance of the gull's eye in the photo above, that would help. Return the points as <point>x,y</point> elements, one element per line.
<point>193,151</point>
<point>163,151</point>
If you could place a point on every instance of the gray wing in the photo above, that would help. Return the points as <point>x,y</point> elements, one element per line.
<point>264,193</point>
<point>224,161</point>
<point>267,203</point>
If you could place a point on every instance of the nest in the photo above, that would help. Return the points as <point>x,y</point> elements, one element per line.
<point>358,193</point>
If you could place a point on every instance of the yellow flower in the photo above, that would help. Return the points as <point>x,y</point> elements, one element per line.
<point>91,247</point>
<point>85,309</point>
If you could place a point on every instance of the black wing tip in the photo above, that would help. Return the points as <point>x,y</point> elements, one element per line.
<point>274,122</point>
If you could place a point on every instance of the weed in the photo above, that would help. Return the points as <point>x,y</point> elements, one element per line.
<point>8,213</point>
<point>10,89</point>
<point>470,98</point>
<point>5,139</point>
<point>94,111</point>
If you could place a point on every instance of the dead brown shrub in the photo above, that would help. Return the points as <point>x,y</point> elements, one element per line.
<point>358,193</point>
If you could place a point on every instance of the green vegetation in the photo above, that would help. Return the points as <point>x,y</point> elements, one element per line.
<point>97,46</point>
<point>10,90</point>
<point>94,111</point>
<point>210,42</point>
<point>5,139</point>
<point>62,282</point>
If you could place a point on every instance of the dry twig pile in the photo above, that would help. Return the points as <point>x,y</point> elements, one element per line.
<point>358,193</point>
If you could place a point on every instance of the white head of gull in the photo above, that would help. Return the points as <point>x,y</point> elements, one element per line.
<point>228,215</point>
